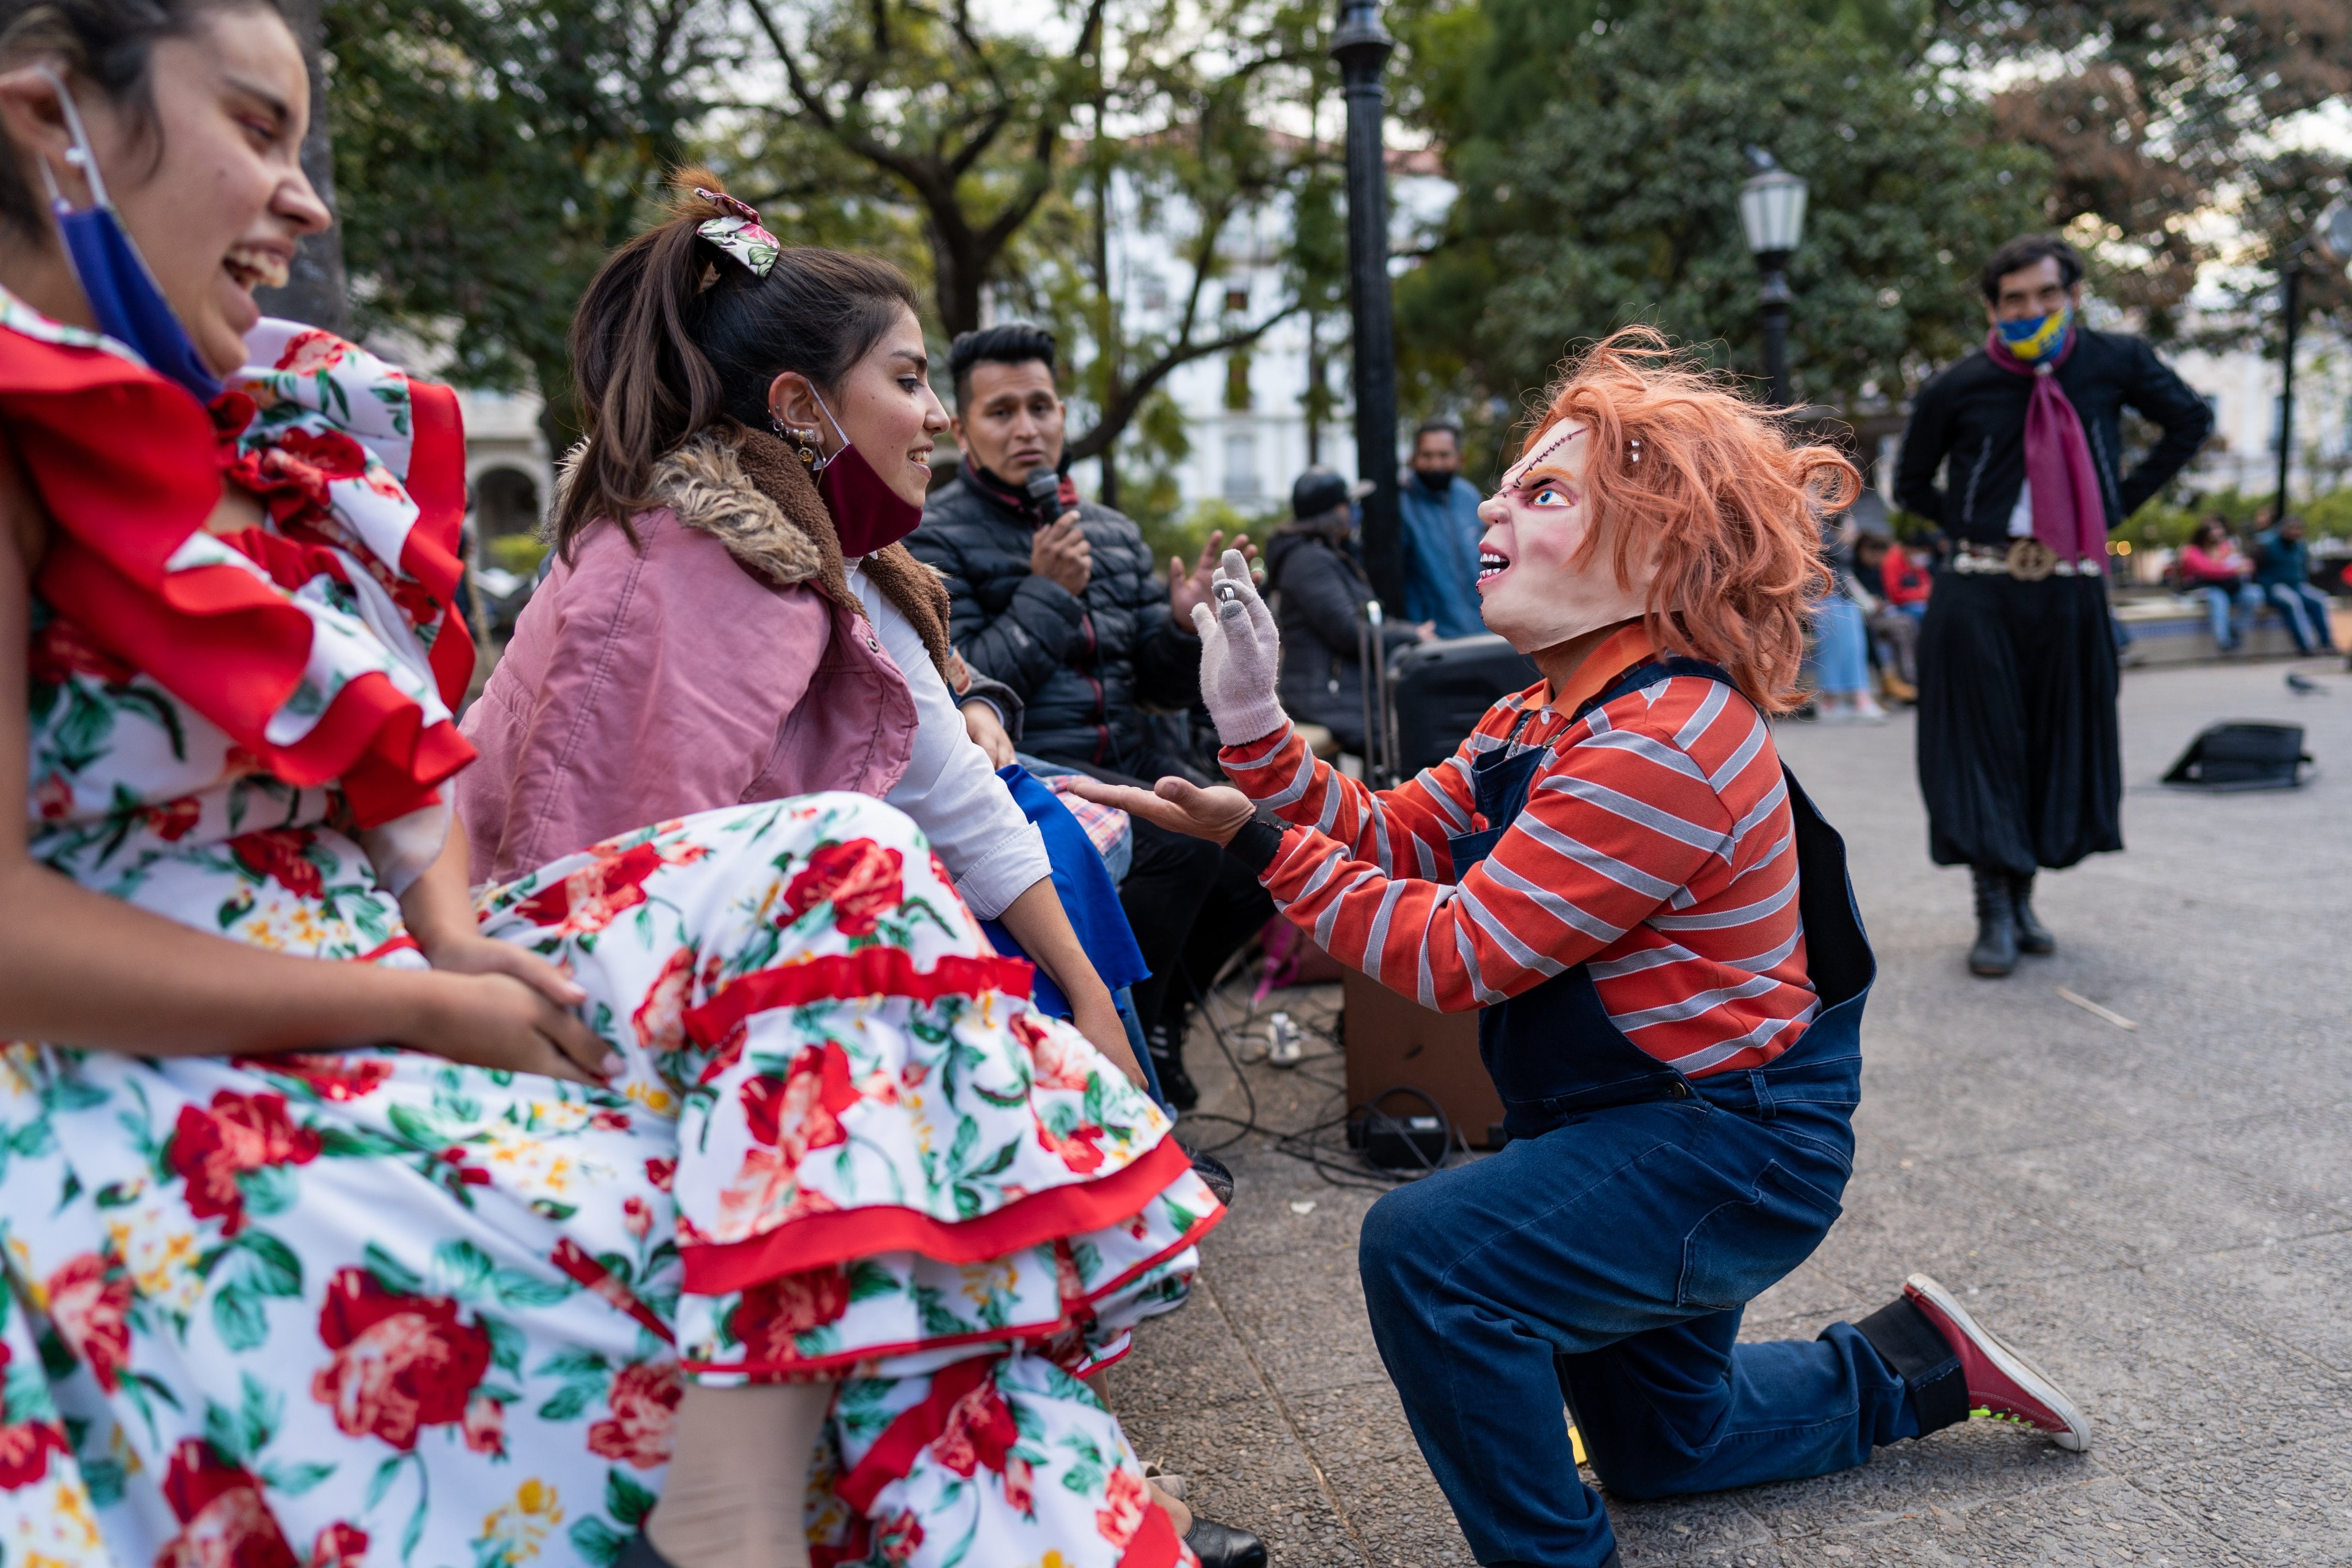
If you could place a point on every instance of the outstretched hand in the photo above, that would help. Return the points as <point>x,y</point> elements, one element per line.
<point>1215,812</point>
<point>1187,589</point>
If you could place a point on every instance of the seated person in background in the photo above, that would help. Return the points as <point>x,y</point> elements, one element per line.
<point>2212,566</point>
<point>1439,510</point>
<point>1894,633</point>
<point>2282,576</point>
<point>1906,578</point>
<point>1058,598</point>
<point>1839,661</point>
<point>1321,589</point>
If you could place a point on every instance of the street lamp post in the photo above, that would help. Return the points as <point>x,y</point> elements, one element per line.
<point>2332,237</point>
<point>2291,302</point>
<point>1773,211</point>
<point>1362,45</point>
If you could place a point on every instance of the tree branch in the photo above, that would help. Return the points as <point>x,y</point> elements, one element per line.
<point>811,103</point>
<point>1116,417</point>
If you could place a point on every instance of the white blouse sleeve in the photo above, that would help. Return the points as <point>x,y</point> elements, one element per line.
<point>994,853</point>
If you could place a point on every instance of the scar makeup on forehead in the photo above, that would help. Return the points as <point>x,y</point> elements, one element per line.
<point>1526,464</point>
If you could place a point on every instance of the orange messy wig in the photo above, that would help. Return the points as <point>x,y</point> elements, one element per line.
<point>1733,504</point>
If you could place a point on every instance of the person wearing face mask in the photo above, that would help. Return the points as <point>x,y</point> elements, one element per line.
<point>1312,572</point>
<point>1657,926</point>
<point>1440,511</point>
<point>759,631</point>
<point>2018,754</point>
<point>755,625</point>
<point>1058,598</point>
<point>342,1209</point>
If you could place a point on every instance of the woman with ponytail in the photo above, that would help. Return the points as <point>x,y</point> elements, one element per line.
<point>344,1216</point>
<point>731,616</point>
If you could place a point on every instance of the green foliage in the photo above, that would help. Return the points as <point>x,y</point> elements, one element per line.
<point>2330,516</point>
<point>491,152</point>
<point>518,553</point>
<point>2153,109</point>
<point>1599,152</point>
<point>2327,517</point>
<point>1186,535</point>
<point>488,153</point>
<point>2169,522</point>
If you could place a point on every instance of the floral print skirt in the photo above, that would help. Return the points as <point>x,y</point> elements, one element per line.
<point>321,1309</point>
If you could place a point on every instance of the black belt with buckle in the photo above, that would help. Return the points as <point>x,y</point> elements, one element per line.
<point>2026,560</point>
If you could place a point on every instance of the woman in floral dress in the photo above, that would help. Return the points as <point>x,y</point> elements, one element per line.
<point>733,1102</point>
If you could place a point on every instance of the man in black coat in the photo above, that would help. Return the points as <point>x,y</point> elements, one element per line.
<point>2018,753</point>
<point>1058,598</point>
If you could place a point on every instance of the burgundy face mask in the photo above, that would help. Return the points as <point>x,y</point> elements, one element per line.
<point>867,514</point>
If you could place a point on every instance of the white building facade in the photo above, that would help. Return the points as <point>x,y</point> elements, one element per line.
<point>2242,386</point>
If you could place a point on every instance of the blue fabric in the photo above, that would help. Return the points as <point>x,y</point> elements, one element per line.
<point>1088,894</point>
<point>2231,608</point>
<point>2281,559</point>
<point>1609,1259</point>
<point>1120,855</point>
<point>1840,646</point>
<point>2307,611</point>
<point>125,301</point>
<point>1441,556</point>
<point>1123,999</point>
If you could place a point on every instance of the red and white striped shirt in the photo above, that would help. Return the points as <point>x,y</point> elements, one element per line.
<point>1656,845</point>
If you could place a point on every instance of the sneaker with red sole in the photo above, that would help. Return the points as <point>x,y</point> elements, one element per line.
<point>2002,1385</point>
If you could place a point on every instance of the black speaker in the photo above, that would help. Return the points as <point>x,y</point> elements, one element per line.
<point>1441,690</point>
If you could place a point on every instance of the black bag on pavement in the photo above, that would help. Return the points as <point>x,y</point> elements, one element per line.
<point>2243,753</point>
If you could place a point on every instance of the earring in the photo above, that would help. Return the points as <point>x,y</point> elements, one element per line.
<point>803,441</point>
<point>1635,446</point>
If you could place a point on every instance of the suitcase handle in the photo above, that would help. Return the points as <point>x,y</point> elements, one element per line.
<point>1379,724</point>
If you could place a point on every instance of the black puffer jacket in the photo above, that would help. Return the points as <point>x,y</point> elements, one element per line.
<point>1320,590</point>
<point>1080,664</point>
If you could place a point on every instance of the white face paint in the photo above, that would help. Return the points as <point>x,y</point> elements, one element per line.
<point>1536,592</point>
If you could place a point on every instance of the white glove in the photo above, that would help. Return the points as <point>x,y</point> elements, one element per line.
<point>1240,655</point>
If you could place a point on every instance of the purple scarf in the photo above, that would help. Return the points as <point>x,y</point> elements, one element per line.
<point>2069,513</point>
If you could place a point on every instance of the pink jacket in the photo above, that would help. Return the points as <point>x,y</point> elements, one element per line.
<point>649,683</point>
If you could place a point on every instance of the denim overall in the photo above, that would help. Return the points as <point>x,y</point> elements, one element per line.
<point>1607,1251</point>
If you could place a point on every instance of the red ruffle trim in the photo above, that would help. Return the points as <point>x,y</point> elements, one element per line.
<point>127,466</point>
<point>818,1240</point>
<point>893,1456</point>
<point>847,976</point>
<point>1074,1313</point>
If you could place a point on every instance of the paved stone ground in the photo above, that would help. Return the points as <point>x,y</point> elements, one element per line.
<point>2161,1217</point>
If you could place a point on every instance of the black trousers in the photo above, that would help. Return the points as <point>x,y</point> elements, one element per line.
<point>1192,906</point>
<point>2019,758</point>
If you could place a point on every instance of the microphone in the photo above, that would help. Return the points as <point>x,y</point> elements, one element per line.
<point>1044,488</point>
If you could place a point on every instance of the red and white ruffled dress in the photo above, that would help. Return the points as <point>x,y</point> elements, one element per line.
<point>373,1306</point>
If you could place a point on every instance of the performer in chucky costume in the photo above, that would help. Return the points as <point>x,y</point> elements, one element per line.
<point>1657,924</point>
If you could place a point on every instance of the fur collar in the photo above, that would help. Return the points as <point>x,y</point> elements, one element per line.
<point>745,489</point>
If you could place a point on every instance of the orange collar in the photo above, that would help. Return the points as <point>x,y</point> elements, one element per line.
<point>1620,652</point>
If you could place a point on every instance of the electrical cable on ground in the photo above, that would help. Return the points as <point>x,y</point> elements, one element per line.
<point>1336,1164</point>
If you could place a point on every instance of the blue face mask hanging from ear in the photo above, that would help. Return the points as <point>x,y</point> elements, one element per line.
<point>124,298</point>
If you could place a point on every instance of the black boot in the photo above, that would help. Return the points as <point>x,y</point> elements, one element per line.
<point>1213,1172</point>
<point>1995,953</point>
<point>1165,1040</point>
<point>1223,1546</point>
<point>2032,936</point>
